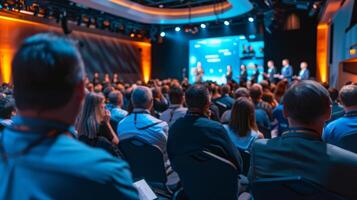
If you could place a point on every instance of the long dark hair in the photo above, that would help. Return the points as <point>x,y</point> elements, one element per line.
<point>243,117</point>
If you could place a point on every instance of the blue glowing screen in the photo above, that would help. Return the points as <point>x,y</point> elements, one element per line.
<point>215,54</point>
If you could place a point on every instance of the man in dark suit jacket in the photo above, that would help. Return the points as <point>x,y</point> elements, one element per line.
<point>271,72</point>
<point>196,131</point>
<point>300,151</point>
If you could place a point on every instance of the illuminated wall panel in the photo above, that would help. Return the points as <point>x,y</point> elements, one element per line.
<point>321,52</point>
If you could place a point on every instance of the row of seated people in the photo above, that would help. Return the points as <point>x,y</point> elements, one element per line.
<point>39,147</point>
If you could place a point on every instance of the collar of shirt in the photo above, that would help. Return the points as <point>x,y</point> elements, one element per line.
<point>38,125</point>
<point>302,133</point>
<point>141,110</point>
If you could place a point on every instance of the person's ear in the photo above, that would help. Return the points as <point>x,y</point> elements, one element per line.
<point>328,114</point>
<point>79,91</point>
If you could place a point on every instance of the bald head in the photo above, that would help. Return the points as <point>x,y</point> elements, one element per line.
<point>142,97</point>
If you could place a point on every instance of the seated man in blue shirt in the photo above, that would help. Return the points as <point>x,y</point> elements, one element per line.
<point>142,124</point>
<point>300,151</point>
<point>40,158</point>
<point>347,124</point>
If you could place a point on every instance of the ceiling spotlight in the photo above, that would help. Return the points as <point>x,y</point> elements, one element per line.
<point>226,23</point>
<point>251,19</point>
<point>203,26</point>
<point>162,34</point>
<point>177,29</point>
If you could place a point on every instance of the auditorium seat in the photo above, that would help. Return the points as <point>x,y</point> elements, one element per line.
<point>246,161</point>
<point>205,175</point>
<point>348,142</point>
<point>146,162</point>
<point>292,188</point>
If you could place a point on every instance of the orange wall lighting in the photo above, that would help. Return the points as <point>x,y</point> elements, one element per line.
<point>321,52</point>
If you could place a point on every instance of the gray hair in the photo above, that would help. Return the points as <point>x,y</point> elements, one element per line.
<point>141,97</point>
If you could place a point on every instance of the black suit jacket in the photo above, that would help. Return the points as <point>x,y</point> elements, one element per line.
<point>304,154</point>
<point>195,133</point>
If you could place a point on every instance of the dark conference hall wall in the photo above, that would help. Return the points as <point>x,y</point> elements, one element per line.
<point>171,56</point>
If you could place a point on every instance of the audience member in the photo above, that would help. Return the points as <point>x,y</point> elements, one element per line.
<point>176,109</point>
<point>142,124</point>
<point>93,124</point>
<point>114,106</point>
<point>242,128</point>
<point>337,109</point>
<point>300,151</point>
<point>48,77</point>
<point>160,102</point>
<point>196,132</point>
<point>347,124</point>
<point>225,102</point>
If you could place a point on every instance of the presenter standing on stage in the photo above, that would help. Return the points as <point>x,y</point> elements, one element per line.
<point>243,74</point>
<point>199,72</point>
<point>270,75</point>
<point>304,73</point>
<point>286,71</point>
<point>229,74</point>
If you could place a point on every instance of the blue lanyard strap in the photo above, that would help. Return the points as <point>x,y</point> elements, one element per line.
<point>306,131</point>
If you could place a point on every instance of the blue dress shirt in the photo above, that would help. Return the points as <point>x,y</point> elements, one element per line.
<point>345,125</point>
<point>58,167</point>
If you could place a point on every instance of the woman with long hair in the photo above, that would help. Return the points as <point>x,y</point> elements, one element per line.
<point>242,128</point>
<point>93,123</point>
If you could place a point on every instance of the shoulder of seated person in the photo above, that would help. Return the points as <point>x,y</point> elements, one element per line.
<point>95,160</point>
<point>339,154</point>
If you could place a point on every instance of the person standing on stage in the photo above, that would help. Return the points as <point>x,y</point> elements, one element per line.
<point>270,75</point>
<point>304,73</point>
<point>229,74</point>
<point>243,74</point>
<point>286,71</point>
<point>199,72</point>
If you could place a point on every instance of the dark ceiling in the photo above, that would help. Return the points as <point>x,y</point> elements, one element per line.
<point>177,3</point>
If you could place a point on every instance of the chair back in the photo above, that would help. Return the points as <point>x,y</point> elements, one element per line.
<point>349,142</point>
<point>292,188</point>
<point>146,160</point>
<point>246,161</point>
<point>205,175</point>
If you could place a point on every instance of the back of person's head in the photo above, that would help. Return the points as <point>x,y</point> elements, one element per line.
<point>333,94</point>
<point>348,95</point>
<point>307,102</point>
<point>115,98</point>
<point>107,91</point>
<point>176,95</point>
<point>242,119</point>
<point>256,92</point>
<point>141,97</point>
<point>241,92</point>
<point>91,115</point>
<point>226,89</point>
<point>165,89</point>
<point>46,71</point>
<point>269,98</point>
<point>265,85</point>
<point>156,93</point>
<point>197,97</point>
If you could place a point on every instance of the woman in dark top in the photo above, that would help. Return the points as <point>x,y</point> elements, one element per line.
<point>93,124</point>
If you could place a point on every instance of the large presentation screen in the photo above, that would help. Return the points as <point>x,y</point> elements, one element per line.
<point>215,55</point>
